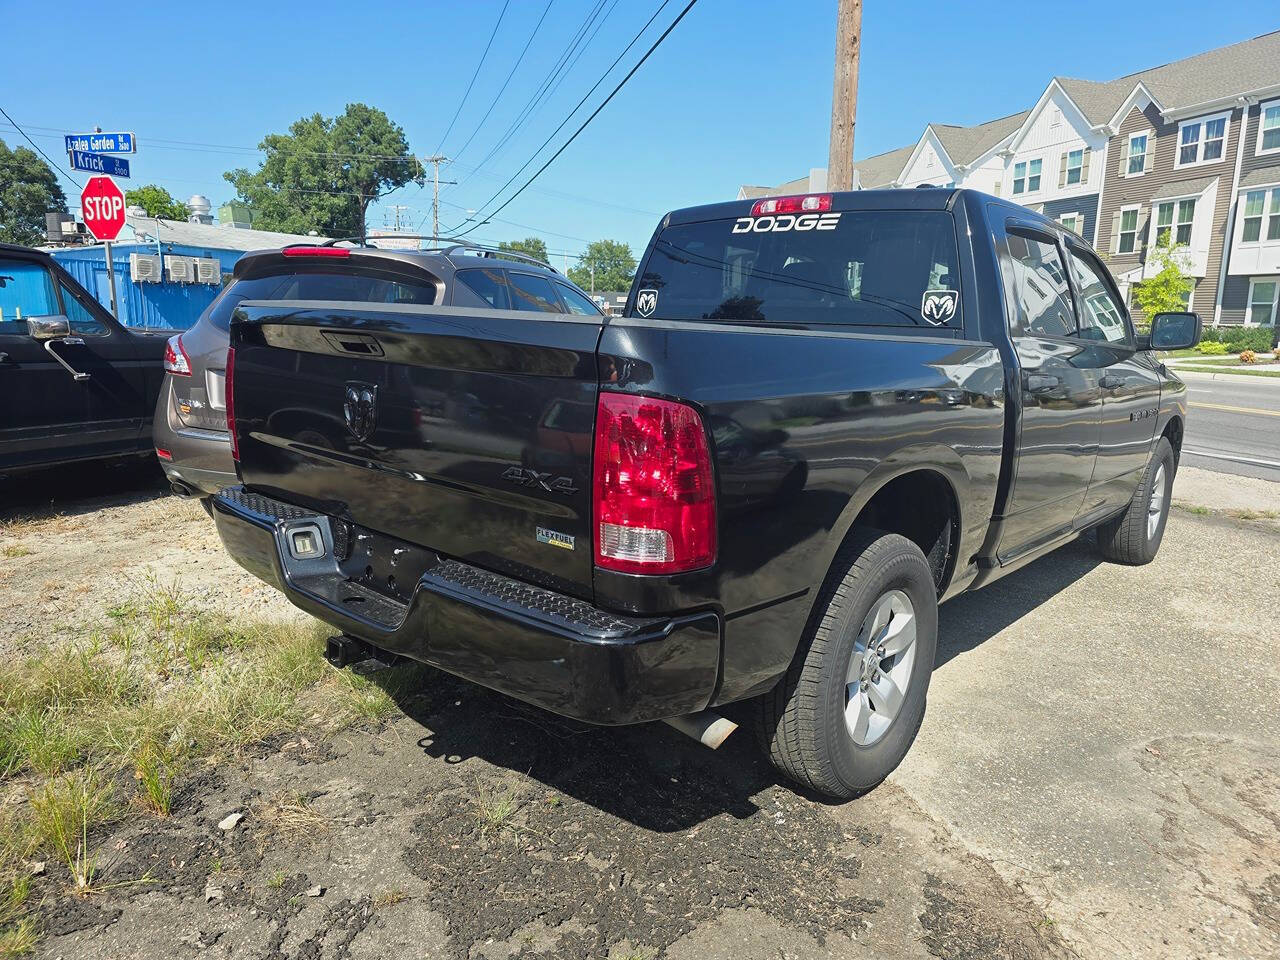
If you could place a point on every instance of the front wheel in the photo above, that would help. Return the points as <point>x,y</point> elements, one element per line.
<point>1134,537</point>
<point>853,699</point>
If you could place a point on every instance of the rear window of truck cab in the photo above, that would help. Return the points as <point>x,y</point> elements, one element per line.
<point>852,267</point>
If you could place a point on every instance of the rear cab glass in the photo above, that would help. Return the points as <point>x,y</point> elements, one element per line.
<point>854,268</point>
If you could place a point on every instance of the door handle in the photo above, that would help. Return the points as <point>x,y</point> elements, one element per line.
<point>1041,382</point>
<point>75,374</point>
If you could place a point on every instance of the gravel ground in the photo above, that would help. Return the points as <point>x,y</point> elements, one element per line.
<point>476,827</point>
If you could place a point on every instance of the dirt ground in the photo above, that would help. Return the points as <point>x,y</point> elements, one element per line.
<point>476,827</point>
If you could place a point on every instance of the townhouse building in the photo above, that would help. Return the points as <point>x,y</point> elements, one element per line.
<point>1187,152</point>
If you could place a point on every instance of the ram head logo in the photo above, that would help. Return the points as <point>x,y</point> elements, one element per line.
<point>939,306</point>
<point>360,409</point>
<point>646,302</point>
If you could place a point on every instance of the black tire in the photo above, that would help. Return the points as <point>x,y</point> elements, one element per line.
<point>802,720</point>
<point>1127,538</point>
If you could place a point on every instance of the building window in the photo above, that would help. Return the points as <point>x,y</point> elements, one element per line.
<point>1075,165</point>
<point>1137,155</point>
<point>1201,141</point>
<point>1026,177</point>
<point>1128,237</point>
<point>1262,302</point>
<point>1269,128</point>
<point>1257,206</point>
<point>1071,221</point>
<point>1180,226</point>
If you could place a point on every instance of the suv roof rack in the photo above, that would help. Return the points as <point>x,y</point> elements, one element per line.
<point>447,247</point>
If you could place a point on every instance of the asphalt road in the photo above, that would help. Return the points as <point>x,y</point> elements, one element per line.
<point>1234,425</point>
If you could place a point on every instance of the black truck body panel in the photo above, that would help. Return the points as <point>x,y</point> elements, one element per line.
<point>1026,440</point>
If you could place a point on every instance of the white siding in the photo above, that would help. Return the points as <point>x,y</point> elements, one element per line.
<point>1052,131</point>
<point>929,166</point>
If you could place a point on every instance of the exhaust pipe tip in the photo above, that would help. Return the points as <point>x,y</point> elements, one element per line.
<point>180,489</point>
<point>707,727</point>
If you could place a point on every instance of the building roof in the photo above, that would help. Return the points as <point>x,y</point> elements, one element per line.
<point>781,190</point>
<point>1263,175</point>
<point>882,169</point>
<point>966,144</point>
<point>1182,188</point>
<point>1251,65</point>
<point>213,237</point>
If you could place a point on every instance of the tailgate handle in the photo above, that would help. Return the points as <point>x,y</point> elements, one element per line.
<point>360,344</point>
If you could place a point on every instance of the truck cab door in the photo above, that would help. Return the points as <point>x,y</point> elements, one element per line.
<point>42,408</point>
<point>1129,381</point>
<point>1058,401</point>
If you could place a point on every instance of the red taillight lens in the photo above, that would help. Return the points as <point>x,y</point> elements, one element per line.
<point>231,402</point>
<point>305,251</point>
<point>176,360</point>
<point>813,203</point>
<point>654,496</point>
<point>163,454</point>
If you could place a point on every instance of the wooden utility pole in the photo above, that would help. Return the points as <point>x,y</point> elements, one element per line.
<point>844,96</point>
<point>435,197</point>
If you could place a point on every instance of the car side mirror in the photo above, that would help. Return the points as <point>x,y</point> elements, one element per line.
<point>48,328</point>
<point>1174,331</point>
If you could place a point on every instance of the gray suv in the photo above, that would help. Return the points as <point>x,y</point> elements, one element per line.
<point>190,426</point>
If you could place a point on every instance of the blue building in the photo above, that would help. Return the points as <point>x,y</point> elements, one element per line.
<point>190,263</point>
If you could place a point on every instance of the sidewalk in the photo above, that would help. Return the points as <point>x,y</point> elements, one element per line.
<point>1224,493</point>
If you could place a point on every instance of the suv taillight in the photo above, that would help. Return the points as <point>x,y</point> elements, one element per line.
<point>653,494</point>
<point>230,390</point>
<point>176,360</point>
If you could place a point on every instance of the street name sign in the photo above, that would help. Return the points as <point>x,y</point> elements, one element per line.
<point>100,163</point>
<point>102,143</point>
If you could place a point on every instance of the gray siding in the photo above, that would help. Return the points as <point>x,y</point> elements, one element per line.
<point>1252,161</point>
<point>1086,206</point>
<point>1235,292</point>
<point>1235,296</point>
<point>1119,191</point>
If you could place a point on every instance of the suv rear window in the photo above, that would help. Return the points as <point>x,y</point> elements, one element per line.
<point>367,286</point>
<point>869,268</point>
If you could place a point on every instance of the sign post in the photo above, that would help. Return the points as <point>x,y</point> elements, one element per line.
<point>102,208</point>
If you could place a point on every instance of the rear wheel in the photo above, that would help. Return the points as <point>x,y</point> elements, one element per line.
<point>853,699</point>
<point>1134,536</point>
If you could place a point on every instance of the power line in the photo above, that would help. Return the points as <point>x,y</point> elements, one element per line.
<point>52,165</point>
<point>498,96</point>
<point>539,93</point>
<point>585,97</point>
<point>648,53</point>
<point>466,94</point>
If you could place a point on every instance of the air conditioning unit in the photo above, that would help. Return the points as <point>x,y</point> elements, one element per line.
<point>208,270</point>
<point>145,268</point>
<point>181,269</point>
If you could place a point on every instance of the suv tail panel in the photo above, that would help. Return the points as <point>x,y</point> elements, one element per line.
<point>464,431</point>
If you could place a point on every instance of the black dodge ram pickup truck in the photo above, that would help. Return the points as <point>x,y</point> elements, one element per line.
<point>818,417</point>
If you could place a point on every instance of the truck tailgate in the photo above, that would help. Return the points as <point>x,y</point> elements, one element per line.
<point>463,431</point>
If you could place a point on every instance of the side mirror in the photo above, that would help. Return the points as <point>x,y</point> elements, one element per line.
<point>48,328</point>
<point>1174,331</point>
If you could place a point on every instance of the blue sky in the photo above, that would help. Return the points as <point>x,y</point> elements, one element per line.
<point>739,93</point>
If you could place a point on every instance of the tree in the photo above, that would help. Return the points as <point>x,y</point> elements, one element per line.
<point>323,174</point>
<point>1167,291</point>
<point>158,202</point>
<point>607,265</point>
<point>534,247</point>
<point>28,190</point>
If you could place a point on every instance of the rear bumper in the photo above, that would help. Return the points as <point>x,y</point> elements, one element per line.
<point>555,651</point>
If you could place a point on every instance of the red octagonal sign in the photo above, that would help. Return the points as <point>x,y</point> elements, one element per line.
<point>102,206</point>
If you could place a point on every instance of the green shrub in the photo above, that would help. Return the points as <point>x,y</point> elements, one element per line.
<point>1240,338</point>
<point>1212,348</point>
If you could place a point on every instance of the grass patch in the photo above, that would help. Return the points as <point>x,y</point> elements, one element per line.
<point>1231,371</point>
<point>12,551</point>
<point>494,809</point>
<point>160,687</point>
<point>289,814</point>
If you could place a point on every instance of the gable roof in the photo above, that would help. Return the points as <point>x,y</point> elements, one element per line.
<point>883,168</point>
<point>966,144</point>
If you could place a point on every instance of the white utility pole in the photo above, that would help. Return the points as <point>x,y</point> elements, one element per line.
<point>436,160</point>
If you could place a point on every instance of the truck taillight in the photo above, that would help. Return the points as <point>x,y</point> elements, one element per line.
<point>231,402</point>
<point>813,203</point>
<point>176,360</point>
<point>653,492</point>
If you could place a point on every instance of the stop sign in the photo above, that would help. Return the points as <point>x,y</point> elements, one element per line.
<point>102,206</point>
